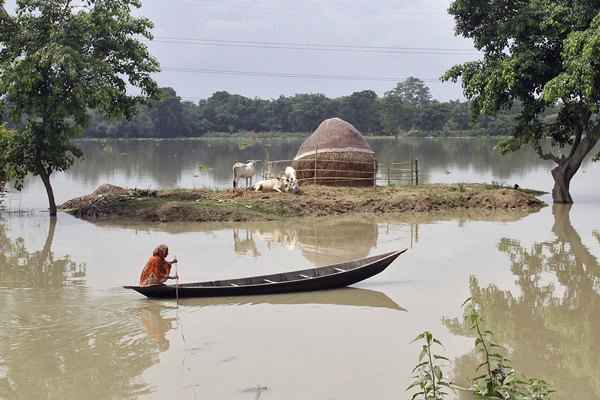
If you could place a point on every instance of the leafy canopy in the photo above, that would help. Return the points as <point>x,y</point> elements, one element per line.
<point>58,60</point>
<point>539,53</point>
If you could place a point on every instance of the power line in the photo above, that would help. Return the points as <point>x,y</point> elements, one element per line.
<point>314,46</point>
<point>407,11</point>
<point>266,74</point>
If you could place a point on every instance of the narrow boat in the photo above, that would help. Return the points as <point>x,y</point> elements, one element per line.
<point>323,278</point>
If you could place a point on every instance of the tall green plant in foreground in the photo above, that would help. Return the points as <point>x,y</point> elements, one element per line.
<point>496,378</point>
<point>428,374</point>
<point>58,60</point>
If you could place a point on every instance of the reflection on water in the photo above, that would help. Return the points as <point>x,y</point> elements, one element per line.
<point>341,297</point>
<point>156,324</point>
<point>322,241</point>
<point>66,345</point>
<point>552,325</point>
<point>20,267</point>
<point>62,344</point>
<point>243,242</point>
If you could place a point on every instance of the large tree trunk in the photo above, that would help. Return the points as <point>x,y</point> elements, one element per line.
<point>562,182</point>
<point>568,167</point>
<point>51,202</point>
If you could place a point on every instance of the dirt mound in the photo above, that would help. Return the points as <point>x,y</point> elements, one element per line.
<point>101,202</point>
<point>196,205</point>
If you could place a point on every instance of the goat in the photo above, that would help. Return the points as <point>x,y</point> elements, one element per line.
<point>272,185</point>
<point>290,174</point>
<point>243,170</point>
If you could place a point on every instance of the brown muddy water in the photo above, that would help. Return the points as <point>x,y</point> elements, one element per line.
<point>67,330</point>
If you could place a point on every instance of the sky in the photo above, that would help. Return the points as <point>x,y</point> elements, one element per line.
<point>245,46</point>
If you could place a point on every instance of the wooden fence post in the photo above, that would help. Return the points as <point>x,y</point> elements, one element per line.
<point>412,172</point>
<point>374,173</point>
<point>316,156</point>
<point>417,172</point>
<point>389,173</point>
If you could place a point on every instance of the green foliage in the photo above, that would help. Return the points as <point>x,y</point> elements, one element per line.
<point>539,54</point>
<point>4,138</point>
<point>496,378</point>
<point>57,61</point>
<point>403,107</point>
<point>21,154</point>
<point>429,382</point>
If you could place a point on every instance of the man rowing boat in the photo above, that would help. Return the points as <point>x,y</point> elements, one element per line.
<point>157,268</point>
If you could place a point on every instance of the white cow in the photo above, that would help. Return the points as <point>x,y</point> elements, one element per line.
<point>290,174</point>
<point>243,170</point>
<point>272,185</point>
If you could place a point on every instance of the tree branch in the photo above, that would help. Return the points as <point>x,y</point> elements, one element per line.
<point>576,143</point>
<point>586,145</point>
<point>546,155</point>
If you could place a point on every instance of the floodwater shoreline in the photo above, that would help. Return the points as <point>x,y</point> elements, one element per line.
<point>113,203</point>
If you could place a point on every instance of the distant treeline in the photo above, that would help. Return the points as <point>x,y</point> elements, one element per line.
<point>408,109</point>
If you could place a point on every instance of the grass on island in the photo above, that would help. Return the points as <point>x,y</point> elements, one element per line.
<point>204,205</point>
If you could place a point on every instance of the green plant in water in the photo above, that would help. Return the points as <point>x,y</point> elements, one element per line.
<point>498,379</point>
<point>428,376</point>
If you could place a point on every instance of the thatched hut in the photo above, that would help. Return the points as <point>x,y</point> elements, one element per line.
<point>336,154</point>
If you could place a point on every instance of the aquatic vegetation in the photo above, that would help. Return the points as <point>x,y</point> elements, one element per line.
<point>428,374</point>
<point>497,379</point>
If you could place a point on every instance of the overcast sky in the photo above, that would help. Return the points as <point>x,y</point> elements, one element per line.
<point>389,23</point>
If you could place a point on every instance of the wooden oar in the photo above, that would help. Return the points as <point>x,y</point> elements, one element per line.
<point>177,282</point>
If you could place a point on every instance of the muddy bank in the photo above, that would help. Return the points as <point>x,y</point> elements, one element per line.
<point>114,203</point>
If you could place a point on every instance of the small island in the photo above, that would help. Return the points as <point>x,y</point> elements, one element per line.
<point>114,203</point>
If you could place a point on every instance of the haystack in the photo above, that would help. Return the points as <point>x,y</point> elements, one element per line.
<point>336,154</point>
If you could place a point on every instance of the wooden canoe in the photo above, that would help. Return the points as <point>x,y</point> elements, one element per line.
<point>323,278</point>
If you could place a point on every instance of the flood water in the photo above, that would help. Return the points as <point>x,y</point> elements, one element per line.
<point>68,331</point>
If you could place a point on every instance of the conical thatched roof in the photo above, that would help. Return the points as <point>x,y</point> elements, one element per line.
<point>332,136</point>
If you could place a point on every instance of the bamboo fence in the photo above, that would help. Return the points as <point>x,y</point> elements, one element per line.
<point>401,172</point>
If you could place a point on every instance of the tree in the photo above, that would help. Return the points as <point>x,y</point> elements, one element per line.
<point>361,110</point>
<point>413,91</point>
<point>394,114</point>
<point>434,116</point>
<point>542,54</point>
<point>308,111</point>
<point>403,106</point>
<point>57,61</point>
<point>168,115</point>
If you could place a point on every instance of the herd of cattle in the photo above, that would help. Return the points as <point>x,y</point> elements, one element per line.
<point>284,183</point>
